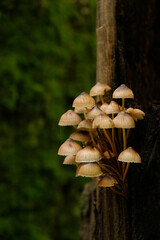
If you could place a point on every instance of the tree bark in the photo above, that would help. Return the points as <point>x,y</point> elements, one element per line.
<point>128,51</point>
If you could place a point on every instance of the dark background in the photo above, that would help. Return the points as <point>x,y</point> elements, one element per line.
<point>47,58</point>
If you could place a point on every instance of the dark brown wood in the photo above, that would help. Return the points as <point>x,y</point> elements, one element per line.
<point>128,40</point>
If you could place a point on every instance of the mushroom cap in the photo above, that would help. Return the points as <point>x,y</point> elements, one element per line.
<point>124,120</point>
<point>102,121</point>
<point>123,92</point>
<point>80,136</point>
<point>89,170</point>
<point>104,107</point>
<point>79,110</point>
<point>69,118</point>
<point>107,181</point>
<point>85,125</point>
<point>84,100</point>
<point>88,154</point>
<point>136,113</point>
<point>107,155</point>
<point>129,155</point>
<point>113,107</point>
<point>69,147</point>
<point>70,159</point>
<point>99,89</point>
<point>95,111</point>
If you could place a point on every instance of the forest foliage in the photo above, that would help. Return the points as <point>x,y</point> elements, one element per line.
<point>47,57</point>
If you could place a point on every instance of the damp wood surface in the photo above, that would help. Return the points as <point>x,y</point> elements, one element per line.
<point>127,39</point>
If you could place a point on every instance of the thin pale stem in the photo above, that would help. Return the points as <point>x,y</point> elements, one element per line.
<point>112,129</point>
<point>120,137</point>
<point>110,141</point>
<point>124,138</point>
<point>128,131</point>
<point>85,115</point>
<point>123,102</point>
<point>92,138</point>
<point>125,172</point>
<point>102,99</point>
<point>124,147</point>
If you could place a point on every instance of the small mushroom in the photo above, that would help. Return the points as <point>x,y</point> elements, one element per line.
<point>124,120</point>
<point>85,125</point>
<point>102,121</point>
<point>69,147</point>
<point>95,111</point>
<point>80,136</point>
<point>84,100</point>
<point>89,170</point>
<point>129,155</point>
<point>136,113</point>
<point>107,181</point>
<point>69,118</point>
<point>99,90</point>
<point>88,154</point>
<point>123,92</point>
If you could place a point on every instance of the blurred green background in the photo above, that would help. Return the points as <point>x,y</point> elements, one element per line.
<point>47,58</point>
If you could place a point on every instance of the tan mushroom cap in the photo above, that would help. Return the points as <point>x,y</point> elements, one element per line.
<point>99,89</point>
<point>79,110</point>
<point>123,92</point>
<point>70,159</point>
<point>84,100</point>
<point>88,170</point>
<point>88,154</point>
<point>102,121</point>
<point>124,120</point>
<point>107,155</point>
<point>95,111</point>
<point>130,156</point>
<point>80,136</point>
<point>104,107</point>
<point>69,147</point>
<point>69,118</point>
<point>113,107</point>
<point>136,113</point>
<point>85,125</point>
<point>107,181</point>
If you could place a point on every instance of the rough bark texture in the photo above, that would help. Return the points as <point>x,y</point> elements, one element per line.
<point>129,44</point>
<point>106,40</point>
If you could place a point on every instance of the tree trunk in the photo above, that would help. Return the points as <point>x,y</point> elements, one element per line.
<point>128,51</point>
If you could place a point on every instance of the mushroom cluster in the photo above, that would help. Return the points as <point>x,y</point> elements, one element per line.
<point>98,146</point>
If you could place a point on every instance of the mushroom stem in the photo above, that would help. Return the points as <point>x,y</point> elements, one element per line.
<point>125,172</point>
<point>124,147</point>
<point>123,101</point>
<point>92,138</point>
<point>110,141</point>
<point>90,131</point>
<point>102,99</point>
<point>85,116</point>
<point>124,138</point>
<point>120,137</point>
<point>112,129</point>
<point>128,130</point>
